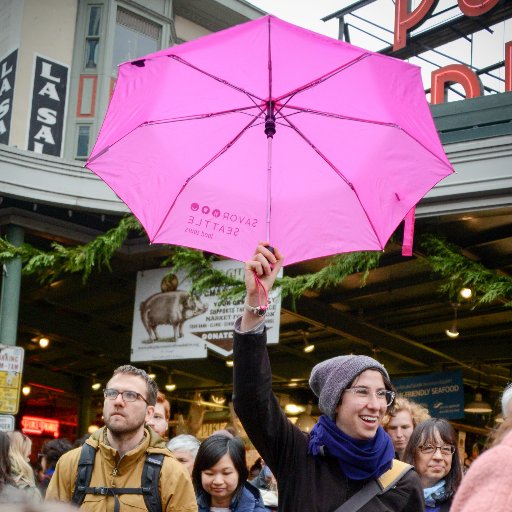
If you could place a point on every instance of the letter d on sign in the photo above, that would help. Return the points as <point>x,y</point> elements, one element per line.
<point>454,73</point>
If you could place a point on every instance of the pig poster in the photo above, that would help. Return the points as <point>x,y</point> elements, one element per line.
<point>169,323</point>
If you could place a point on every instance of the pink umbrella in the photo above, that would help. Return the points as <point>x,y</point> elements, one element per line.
<point>267,131</point>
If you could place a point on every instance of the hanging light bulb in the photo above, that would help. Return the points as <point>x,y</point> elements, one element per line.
<point>96,384</point>
<point>453,331</point>
<point>466,293</point>
<point>478,406</point>
<point>170,386</point>
<point>308,347</point>
<point>44,342</point>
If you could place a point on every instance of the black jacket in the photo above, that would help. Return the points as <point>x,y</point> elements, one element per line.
<point>305,483</point>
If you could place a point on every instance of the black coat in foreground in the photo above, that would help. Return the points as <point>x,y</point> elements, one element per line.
<point>305,483</point>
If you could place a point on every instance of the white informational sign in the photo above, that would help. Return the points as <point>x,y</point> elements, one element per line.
<point>169,323</point>
<point>6,423</point>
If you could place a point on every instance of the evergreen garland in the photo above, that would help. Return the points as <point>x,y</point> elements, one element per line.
<point>49,265</point>
<point>445,259</point>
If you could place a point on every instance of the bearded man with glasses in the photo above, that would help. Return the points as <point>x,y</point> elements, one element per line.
<point>122,449</point>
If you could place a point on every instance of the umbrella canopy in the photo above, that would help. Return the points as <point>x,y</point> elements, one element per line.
<point>188,143</point>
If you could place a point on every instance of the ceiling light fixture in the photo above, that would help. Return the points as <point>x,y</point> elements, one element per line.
<point>466,293</point>
<point>478,406</point>
<point>294,409</point>
<point>308,347</point>
<point>305,422</point>
<point>170,386</point>
<point>151,374</point>
<point>453,331</point>
<point>95,383</point>
<point>44,342</point>
<point>230,363</point>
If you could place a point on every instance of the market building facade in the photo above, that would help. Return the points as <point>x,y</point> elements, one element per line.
<point>58,65</point>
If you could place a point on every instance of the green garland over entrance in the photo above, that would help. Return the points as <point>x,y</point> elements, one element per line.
<point>444,259</point>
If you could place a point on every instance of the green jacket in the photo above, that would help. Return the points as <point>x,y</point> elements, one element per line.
<point>110,470</point>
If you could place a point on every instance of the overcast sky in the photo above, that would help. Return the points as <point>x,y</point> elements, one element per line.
<point>487,48</point>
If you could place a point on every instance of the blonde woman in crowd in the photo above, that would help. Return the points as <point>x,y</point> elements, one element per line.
<point>401,420</point>
<point>22,473</point>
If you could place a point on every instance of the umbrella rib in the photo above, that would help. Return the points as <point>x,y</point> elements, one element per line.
<point>338,172</point>
<point>175,120</point>
<point>359,120</point>
<point>218,79</point>
<point>241,110</point>
<point>339,116</point>
<point>201,169</point>
<point>321,79</point>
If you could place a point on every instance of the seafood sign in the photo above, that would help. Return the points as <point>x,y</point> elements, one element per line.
<point>171,323</point>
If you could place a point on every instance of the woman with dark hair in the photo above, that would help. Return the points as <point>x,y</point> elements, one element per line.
<point>9,493</point>
<point>432,450</point>
<point>220,477</point>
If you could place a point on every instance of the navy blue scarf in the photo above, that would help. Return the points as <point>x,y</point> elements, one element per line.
<point>358,459</point>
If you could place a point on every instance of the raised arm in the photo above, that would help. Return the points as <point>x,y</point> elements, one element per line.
<point>265,264</point>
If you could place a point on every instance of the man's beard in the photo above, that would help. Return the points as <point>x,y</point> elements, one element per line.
<point>122,429</point>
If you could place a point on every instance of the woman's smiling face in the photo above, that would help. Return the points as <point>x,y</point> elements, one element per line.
<point>220,481</point>
<point>360,418</point>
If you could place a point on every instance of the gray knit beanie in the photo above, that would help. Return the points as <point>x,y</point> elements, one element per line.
<point>331,377</point>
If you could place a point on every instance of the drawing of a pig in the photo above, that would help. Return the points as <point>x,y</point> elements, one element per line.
<point>169,308</point>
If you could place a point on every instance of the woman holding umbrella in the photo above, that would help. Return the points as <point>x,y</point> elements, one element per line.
<point>347,457</point>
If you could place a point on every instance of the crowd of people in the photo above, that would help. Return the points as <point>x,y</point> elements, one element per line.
<point>369,450</point>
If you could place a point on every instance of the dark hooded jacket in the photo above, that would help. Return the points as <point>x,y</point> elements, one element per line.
<point>305,483</point>
<point>248,500</point>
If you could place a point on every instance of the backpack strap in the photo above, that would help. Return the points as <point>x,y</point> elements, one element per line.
<point>83,477</point>
<point>148,488</point>
<point>375,487</point>
<point>150,480</point>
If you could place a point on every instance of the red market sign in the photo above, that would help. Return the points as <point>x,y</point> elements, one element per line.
<point>406,20</point>
<point>36,426</point>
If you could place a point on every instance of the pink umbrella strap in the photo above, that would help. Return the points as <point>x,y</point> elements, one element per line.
<point>408,232</point>
<point>262,292</point>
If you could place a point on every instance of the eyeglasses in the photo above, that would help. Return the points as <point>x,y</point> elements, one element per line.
<point>127,396</point>
<point>364,394</point>
<point>446,449</point>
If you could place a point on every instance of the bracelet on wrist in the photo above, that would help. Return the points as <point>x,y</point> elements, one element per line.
<point>256,310</point>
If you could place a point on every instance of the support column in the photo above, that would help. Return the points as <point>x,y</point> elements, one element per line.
<point>11,286</point>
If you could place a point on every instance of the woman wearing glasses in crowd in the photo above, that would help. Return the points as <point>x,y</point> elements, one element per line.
<point>347,450</point>
<point>432,450</point>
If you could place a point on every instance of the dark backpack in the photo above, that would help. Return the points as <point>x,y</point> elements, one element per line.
<point>148,486</point>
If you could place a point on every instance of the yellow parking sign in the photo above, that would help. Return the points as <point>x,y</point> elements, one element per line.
<point>11,368</point>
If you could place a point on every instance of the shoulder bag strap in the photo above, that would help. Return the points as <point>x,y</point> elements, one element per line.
<point>375,487</point>
<point>360,498</point>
